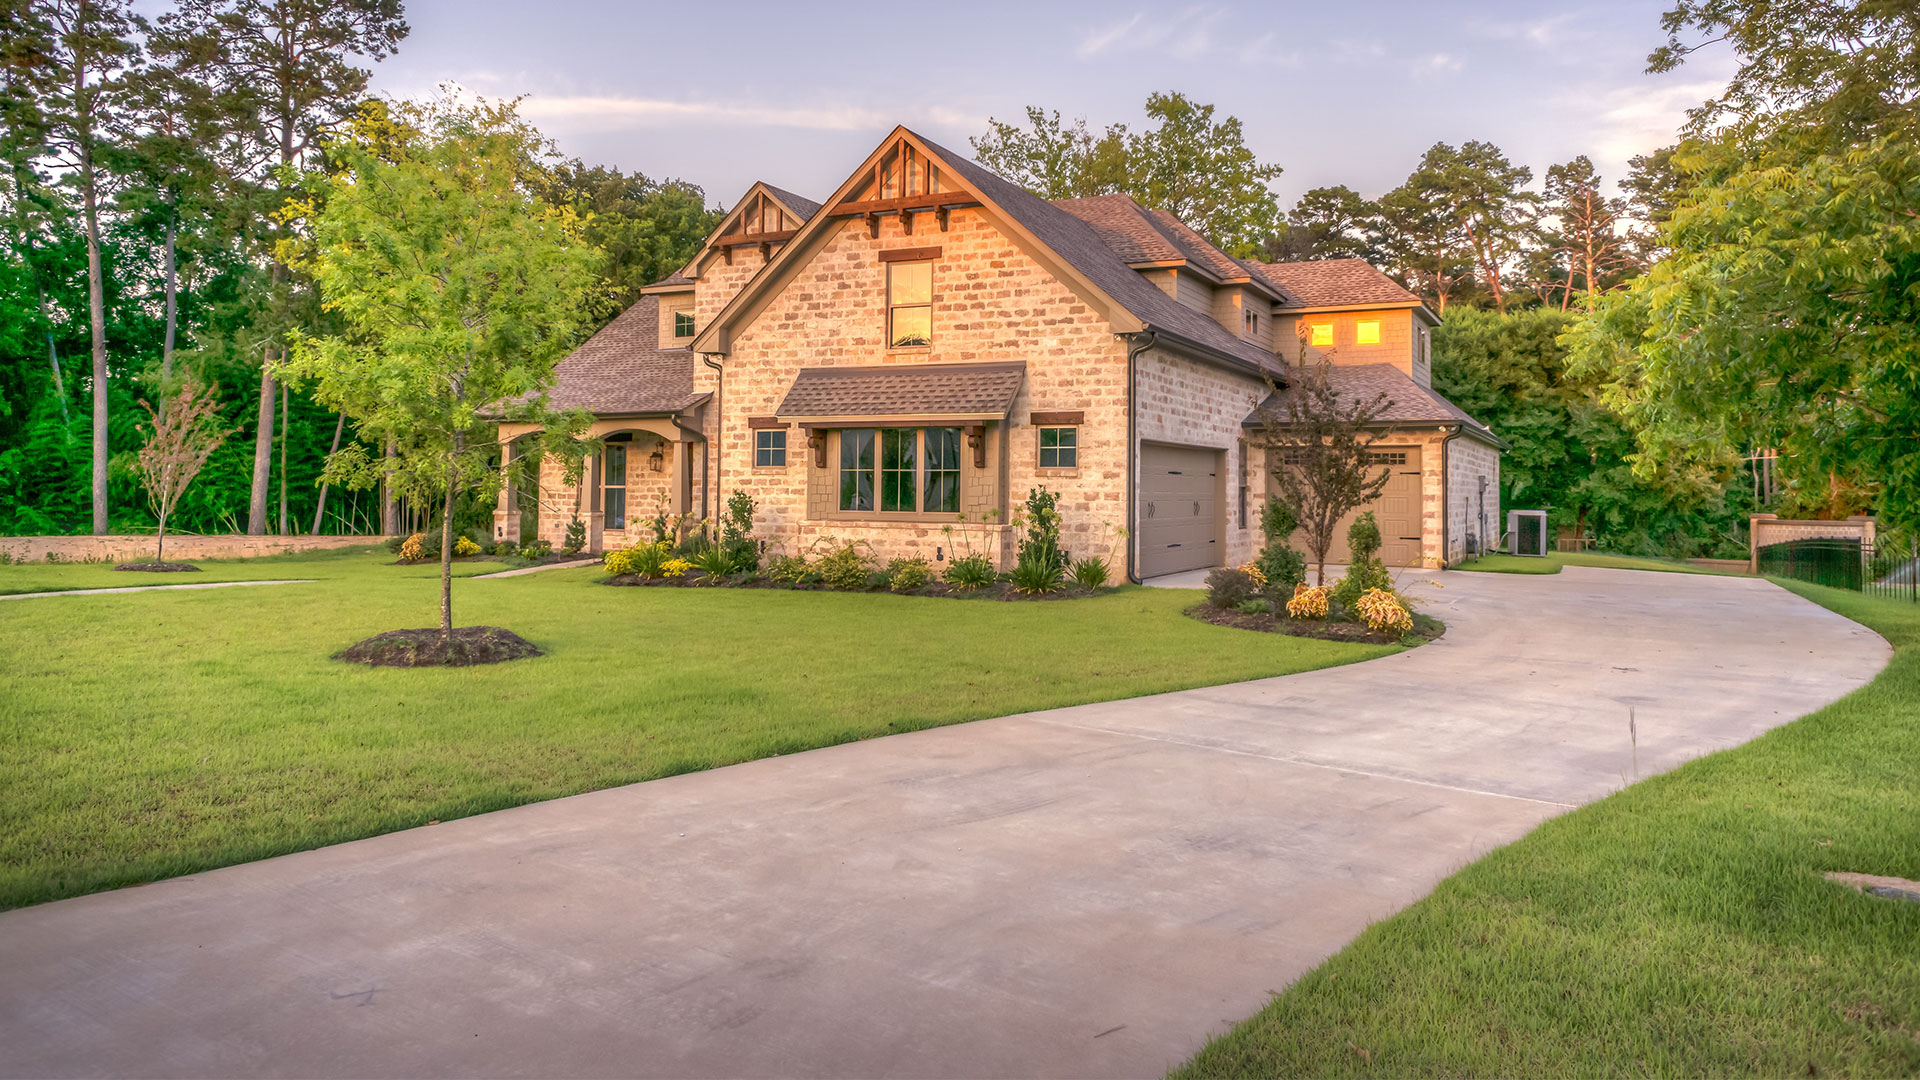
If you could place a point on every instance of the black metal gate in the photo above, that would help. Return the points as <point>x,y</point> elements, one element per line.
<point>1847,563</point>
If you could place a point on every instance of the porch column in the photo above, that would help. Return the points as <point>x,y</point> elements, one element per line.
<point>682,486</point>
<point>506,510</point>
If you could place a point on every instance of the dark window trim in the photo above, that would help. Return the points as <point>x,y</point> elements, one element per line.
<point>876,474</point>
<point>769,448</point>
<point>757,422</point>
<point>1057,419</point>
<point>1041,447</point>
<point>919,254</point>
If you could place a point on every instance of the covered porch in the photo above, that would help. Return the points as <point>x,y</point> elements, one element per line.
<point>646,468</point>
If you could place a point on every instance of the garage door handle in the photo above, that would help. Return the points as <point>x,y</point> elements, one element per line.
<point>1149,509</point>
<point>1409,538</point>
<point>1196,508</point>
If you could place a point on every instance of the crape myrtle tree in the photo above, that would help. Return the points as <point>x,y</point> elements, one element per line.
<point>1317,444</point>
<point>458,288</point>
<point>184,434</point>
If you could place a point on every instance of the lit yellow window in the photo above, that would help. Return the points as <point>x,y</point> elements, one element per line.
<point>1369,333</point>
<point>1322,334</point>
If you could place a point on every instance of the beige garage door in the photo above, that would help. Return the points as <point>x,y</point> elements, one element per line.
<point>1177,505</point>
<point>1397,509</point>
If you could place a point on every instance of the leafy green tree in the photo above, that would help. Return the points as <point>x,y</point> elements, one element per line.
<point>1587,241</point>
<point>646,230</point>
<point>1187,163</point>
<point>1478,199</point>
<point>1328,223</point>
<point>1422,240</point>
<point>459,289</point>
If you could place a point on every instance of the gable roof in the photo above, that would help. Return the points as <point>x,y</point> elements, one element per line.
<point>1146,238</point>
<point>623,369</point>
<point>801,206</point>
<point>1332,283</point>
<point>1409,402</point>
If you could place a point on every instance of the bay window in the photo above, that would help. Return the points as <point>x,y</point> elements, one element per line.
<point>910,470</point>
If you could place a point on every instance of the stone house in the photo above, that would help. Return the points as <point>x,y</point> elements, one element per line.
<point>901,363</point>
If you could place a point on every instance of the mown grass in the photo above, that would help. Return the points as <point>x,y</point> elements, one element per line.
<point>59,577</point>
<point>155,734</point>
<point>1551,563</point>
<point>1679,928</point>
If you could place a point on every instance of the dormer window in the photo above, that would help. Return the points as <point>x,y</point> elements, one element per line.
<point>683,324</point>
<point>1251,323</point>
<point>909,305</point>
<point>1322,335</point>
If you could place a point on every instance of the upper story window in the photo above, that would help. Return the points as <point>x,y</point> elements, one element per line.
<point>909,305</point>
<point>683,324</point>
<point>1250,322</point>
<point>1368,333</point>
<point>1322,335</point>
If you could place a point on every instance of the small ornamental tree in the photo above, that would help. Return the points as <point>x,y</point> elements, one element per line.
<point>1317,444</point>
<point>185,433</point>
<point>457,290</point>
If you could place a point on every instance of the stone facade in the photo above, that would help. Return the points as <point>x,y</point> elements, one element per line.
<point>179,548</point>
<point>1473,490</point>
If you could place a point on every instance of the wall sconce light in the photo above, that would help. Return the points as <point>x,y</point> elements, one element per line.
<point>655,460</point>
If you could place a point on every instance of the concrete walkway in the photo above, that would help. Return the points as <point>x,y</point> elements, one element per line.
<point>1084,892</point>
<point>151,588</point>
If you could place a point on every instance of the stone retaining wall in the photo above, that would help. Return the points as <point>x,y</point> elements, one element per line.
<point>133,548</point>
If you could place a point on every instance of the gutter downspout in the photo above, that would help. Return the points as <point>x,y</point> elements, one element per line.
<point>1446,492</point>
<point>1136,344</point>
<point>719,426</point>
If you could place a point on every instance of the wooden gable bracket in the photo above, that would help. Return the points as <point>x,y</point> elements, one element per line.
<point>941,215</point>
<point>977,439</point>
<point>906,222</point>
<point>727,254</point>
<point>817,442</point>
<point>766,250</point>
<point>873,226</point>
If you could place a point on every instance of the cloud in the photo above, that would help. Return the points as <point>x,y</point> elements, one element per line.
<point>1102,40</point>
<point>1554,30</point>
<point>1439,64</point>
<point>1636,119</point>
<point>616,113</point>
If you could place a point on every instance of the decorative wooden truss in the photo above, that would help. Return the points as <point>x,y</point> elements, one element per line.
<point>759,222</point>
<point>905,183</point>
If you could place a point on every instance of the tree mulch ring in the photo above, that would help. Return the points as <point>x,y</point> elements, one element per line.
<point>1890,888</point>
<point>428,647</point>
<point>999,590</point>
<point>159,567</point>
<point>1425,628</point>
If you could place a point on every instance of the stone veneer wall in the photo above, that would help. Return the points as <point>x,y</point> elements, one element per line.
<point>991,303</point>
<point>182,548</point>
<point>1469,459</point>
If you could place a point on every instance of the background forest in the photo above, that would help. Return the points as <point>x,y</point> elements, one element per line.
<point>1746,294</point>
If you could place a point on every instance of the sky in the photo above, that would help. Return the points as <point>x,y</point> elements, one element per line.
<point>1334,91</point>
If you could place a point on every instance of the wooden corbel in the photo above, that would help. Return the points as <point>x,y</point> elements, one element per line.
<point>817,442</point>
<point>942,214</point>
<point>727,254</point>
<point>906,221</point>
<point>873,226</point>
<point>977,438</point>
<point>766,251</point>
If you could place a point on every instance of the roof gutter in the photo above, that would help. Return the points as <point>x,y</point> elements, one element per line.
<point>1208,352</point>
<point>1446,495</point>
<point>1136,344</point>
<point>719,428</point>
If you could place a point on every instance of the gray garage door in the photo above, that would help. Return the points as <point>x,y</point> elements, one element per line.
<point>1397,509</point>
<point>1177,504</point>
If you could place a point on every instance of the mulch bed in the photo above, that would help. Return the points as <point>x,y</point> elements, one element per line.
<point>428,647</point>
<point>159,567</point>
<point>1425,629</point>
<point>999,590</point>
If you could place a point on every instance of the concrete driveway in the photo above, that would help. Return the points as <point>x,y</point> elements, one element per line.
<point>1084,892</point>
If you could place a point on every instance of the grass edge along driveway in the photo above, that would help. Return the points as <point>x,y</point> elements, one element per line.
<point>156,734</point>
<point>1550,563</point>
<point>1679,927</point>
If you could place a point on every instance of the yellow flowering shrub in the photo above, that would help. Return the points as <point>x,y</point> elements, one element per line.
<point>414,548</point>
<point>675,568</point>
<point>1252,570</point>
<point>1308,602</point>
<point>1383,612</point>
<point>464,548</point>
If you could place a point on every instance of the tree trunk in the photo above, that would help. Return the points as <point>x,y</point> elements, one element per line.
<point>173,307</point>
<point>285,523</point>
<point>389,506</point>
<point>160,541</point>
<point>97,315</point>
<point>446,566</point>
<point>262,452</point>
<point>338,429</point>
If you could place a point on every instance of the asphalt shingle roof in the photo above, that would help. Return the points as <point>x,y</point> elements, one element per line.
<point>905,390</point>
<point>1409,402</point>
<point>1331,283</point>
<point>799,204</point>
<point>623,369</point>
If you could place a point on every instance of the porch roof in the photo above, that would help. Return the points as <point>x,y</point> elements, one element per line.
<point>982,391</point>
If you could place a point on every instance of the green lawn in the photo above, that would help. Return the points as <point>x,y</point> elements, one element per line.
<point>156,734</point>
<point>1678,928</point>
<point>1553,561</point>
<point>51,577</point>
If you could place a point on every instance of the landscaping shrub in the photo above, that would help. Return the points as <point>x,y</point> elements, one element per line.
<point>1041,546</point>
<point>675,568</point>
<point>536,549</point>
<point>576,537</point>
<point>970,572</point>
<point>1038,574</point>
<point>791,570</point>
<point>413,548</point>
<point>736,533</point>
<point>696,542</point>
<point>848,566</point>
<point>394,543</point>
<point>909,575</point>
<point>1277,521</point>
<point>1365,572</point>
<point>1281,566</point>
<point>504,547</point>
<point>618,561</point>
<point>1383,612</point>
<point>1090,573</point>
<point>1256,606</point>
<point>464,548</point>
<point>714,563</point>
<point>1229,587</point>
<point>1308,602</point>
<point>649,561</point>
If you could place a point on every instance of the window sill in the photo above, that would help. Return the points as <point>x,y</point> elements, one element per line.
<point>909,350</point>
<point>885,517</point>
<point>1063,474</point>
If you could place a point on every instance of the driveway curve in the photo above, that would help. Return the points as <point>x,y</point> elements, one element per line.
<point>1083,892</point>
